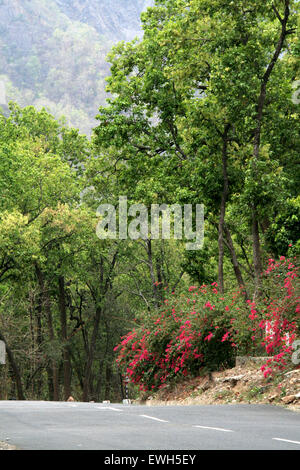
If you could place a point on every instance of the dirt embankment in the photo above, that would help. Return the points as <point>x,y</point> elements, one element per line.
<point>6,446</point>
<point>244,383</point>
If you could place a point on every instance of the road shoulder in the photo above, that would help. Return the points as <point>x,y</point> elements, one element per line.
<point>5,446</point>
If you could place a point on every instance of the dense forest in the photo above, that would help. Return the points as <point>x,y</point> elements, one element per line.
<point>202,109</point>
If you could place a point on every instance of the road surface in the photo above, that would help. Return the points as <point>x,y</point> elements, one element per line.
<point>96,426</point>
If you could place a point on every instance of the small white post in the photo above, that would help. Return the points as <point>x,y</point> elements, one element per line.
<point>2,352</point>
<point>126,401</point>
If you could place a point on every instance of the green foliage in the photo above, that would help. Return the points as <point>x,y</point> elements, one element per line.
<point>181,124</point>
<point>284,232</point>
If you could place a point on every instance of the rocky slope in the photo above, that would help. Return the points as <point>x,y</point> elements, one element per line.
<point>242,384</point>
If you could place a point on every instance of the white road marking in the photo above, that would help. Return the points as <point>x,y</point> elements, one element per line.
<point>105,408</point>
<point>213,429</point>
<point>285,440</point>
<point>156,419</point>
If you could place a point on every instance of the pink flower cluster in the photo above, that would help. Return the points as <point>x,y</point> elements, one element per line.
<point>282,314</point>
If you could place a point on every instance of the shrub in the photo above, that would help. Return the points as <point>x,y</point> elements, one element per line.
<point>205,330</point>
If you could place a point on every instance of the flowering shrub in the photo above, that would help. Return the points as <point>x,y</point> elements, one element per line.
<point>204,329</point>
<point>281,313</point>
<point>186,334</point>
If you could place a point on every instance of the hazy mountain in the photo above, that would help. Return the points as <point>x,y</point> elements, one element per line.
<point>118,19</point>
<point>53,52</point>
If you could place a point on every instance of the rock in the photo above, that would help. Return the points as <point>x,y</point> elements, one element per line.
<point>272,397</point>
<point>291,372</point>
<point>233,379</point>
<point>288,399</point>
<point>205,386</point>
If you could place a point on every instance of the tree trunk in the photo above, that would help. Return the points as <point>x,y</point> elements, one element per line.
<point>98,296</point>
<point>39,340</point>
<point>64,336</point>
<point>108,382</point>
<point>52,338</point>
<point>101,373</point>
<point>32,342</point>
<point>90,358</point>
<point>222,211</point>
<point>152,275</point>
<point>256,253</point>
<point>47,307</point>
<point>234,260</point>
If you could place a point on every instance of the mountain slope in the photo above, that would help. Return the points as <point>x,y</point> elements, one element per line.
<point>53,52</point>
<point>115,19</point>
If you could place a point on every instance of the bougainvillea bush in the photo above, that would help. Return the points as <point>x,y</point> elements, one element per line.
<point>204,330</point>
<point>280,313</point>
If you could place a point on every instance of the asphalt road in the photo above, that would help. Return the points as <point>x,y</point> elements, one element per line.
<point>96,426</point>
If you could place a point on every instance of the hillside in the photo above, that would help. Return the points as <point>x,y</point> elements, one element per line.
<point>54,52</point>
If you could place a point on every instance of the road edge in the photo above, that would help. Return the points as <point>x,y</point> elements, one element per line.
<point>6,446</point>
